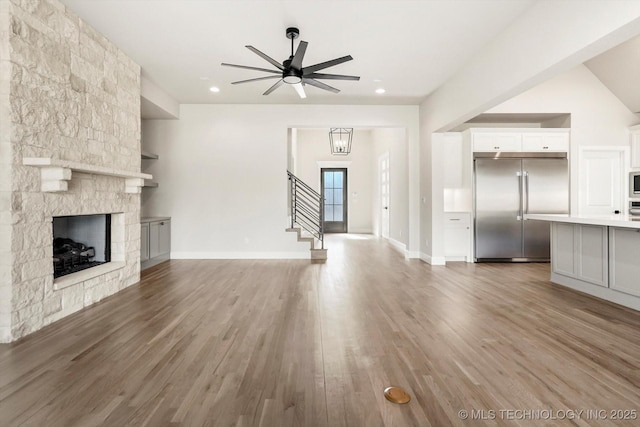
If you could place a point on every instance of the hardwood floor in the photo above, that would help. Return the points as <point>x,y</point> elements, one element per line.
<point>292,343</point>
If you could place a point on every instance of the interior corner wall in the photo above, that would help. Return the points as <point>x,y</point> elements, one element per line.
<point>158,99</point>
<point>6,162</point>
<point>313,147</point>
<point>222,173</point>
<point>394,142</point>
<point>598,117</point>
<point>534,48</point>
<point>427,194</point>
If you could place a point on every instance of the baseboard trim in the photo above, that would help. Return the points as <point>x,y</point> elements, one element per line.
<point>455,258</point>
<point>413,254</point>
<point>397,245</point>
<point>432,260</point>
<point>609,294</point>
<point>153,262</point>
<point>360,231</point>
<point>241,255</point>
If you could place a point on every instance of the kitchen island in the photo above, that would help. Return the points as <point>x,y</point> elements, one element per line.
<point>598,255</point>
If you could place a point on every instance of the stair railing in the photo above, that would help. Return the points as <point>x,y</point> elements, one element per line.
<point>306,208</point>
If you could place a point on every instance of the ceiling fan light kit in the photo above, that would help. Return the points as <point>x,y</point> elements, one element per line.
<point>291,70</point>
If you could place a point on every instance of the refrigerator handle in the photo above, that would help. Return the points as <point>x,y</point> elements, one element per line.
<point>520,187</point>
<point>526,192</point>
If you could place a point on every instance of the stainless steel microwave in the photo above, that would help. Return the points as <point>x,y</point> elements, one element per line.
<point>634,185</point>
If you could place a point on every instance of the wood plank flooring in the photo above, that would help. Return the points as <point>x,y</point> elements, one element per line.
<point>292,343</point>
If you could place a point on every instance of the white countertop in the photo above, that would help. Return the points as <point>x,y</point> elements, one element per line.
<point>622,220</point>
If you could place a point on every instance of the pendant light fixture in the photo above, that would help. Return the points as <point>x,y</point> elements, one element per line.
<point>340,141</point>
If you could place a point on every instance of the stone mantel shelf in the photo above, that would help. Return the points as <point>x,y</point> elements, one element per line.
<point>55,173</point>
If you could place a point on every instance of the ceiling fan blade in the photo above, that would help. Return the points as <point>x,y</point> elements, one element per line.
<point>298,87</point>
<point>330,76</point>
<point>255,80</point>
<point>320,85</point>
<point>296,62</point>
<point>251,68</point>
<point>266,57</point>
<point>274,87</point>
<point>327,64</point>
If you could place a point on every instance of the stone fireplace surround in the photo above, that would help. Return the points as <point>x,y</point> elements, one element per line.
<point>71,97</point>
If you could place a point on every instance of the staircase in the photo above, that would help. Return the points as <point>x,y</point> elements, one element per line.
<point>306,209</point>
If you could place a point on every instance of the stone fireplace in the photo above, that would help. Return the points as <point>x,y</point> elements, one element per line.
<point>69,145</point>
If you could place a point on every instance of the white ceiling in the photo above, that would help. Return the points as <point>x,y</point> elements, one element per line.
<point>407,47</point>
<point>619,70</point>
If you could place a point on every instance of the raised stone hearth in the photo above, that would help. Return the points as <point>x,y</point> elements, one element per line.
<point>69,96</point>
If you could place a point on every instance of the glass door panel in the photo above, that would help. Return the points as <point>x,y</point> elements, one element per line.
<point>334,192</point>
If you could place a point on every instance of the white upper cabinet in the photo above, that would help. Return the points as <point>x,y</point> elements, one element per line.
<point>494,142</point>
<point>601,181</point>
<point>635,146</point>
<point>533,142</point>
<point>520,140</point>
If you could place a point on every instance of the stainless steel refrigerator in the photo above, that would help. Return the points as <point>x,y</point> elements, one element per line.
<point>508,187</point>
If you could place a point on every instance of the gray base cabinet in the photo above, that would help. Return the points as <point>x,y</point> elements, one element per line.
<point>155,245</point>
<point>581,252</point>
<point>624,250</point>
<point>597,255</point>
<point>144,241</point>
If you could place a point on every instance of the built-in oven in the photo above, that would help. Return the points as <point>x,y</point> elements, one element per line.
<point>634,208</point>
<point>634,185</point>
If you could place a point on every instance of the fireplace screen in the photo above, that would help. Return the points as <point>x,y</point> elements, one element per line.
<point>80,242</point>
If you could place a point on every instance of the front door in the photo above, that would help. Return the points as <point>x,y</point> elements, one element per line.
<point>334,192</point>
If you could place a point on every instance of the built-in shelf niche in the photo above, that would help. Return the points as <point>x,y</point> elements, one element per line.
<point>146,155</point>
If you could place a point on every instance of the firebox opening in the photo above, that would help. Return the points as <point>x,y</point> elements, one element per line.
<point>80,242</point>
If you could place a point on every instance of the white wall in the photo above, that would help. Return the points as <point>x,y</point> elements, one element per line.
<point>549,38</point>
<point>156,103</point>
<point>313,147</point>
<point>222,173</point>
<point>392,141</point>
<point>598,118</point>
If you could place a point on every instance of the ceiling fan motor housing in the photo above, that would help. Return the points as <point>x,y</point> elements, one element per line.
<point>293,33</point>
<point>291,75</point>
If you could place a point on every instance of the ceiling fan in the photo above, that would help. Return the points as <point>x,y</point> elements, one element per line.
<point>292,72</point>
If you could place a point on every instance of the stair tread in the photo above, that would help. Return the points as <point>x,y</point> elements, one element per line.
<point>318,254</point>
<point>305,237</point>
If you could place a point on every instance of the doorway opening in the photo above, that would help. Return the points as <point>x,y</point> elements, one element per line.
<point>383,175</point>
<point>334,192</point>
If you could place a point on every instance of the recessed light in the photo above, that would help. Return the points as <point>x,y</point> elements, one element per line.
<point>380,90</point>
<point>214,89</point>
<point>377,81</point>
